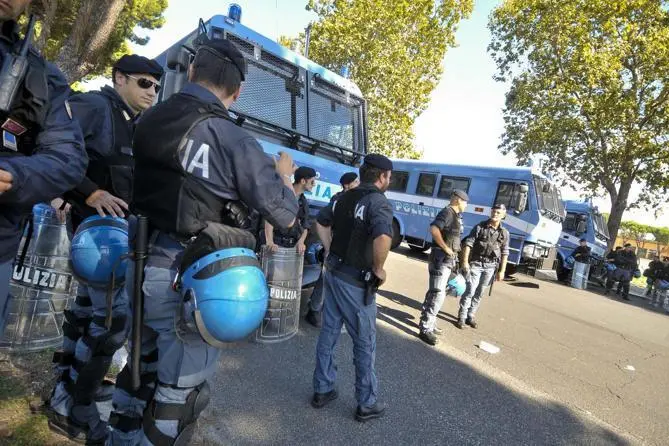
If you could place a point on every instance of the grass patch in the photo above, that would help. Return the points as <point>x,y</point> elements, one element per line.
<point>24,381</point>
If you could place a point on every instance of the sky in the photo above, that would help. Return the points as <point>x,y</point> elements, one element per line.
<point>463,122</point>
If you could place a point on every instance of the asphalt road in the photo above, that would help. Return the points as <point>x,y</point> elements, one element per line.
<point>561,377</point>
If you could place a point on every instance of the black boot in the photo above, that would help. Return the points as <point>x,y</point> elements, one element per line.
<point>429,338</point>
<point>322,399</point>
<point>363,414</point>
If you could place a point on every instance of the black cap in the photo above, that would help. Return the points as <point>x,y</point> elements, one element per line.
<point>304,173</point>
<point>499,206</point>
<point>348,178</point>
<point>582,240</point>
<point>134,64</point>
<point>460,194</point>
<point>628,245</point>
<point>378,161</point>
<point>227,51</point>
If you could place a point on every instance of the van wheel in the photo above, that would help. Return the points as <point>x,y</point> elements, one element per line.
<point>397,237</point>
<point>562,272</point>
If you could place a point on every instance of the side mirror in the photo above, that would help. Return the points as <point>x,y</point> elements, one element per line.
<point>178,60</point>
<point>520,199</point>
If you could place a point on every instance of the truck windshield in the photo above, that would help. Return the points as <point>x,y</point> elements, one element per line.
<point>548,199</point>
<point>601,228</point>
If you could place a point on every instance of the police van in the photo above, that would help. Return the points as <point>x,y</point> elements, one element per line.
<point>419,190</point>
<point>583,221</point>
<point>288,102</point>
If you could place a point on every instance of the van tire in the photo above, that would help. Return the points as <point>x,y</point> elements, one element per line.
<point>397,237</point>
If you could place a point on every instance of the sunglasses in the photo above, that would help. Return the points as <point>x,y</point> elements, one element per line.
<point>145,84</point>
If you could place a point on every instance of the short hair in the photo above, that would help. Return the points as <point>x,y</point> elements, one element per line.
<point>216,72</point>
<point>369,174</point>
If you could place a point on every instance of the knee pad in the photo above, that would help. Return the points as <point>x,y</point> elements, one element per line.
<point>185,414</point>
<point>107,343</point>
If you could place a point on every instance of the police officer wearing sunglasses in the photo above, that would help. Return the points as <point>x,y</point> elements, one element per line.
<point>195,168</point>
<point>107,119</point>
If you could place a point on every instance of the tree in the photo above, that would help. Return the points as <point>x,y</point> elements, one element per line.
<point>661,237</point>
<point>625,232</point>
<point>84,37</point>
<point>394,51</point>
<point>632,230</point>
<point>589,85</point>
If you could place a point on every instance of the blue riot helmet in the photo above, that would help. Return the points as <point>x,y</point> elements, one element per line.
<point>314,254</point>
<point>457,284</point>
<point>637,273</point>
<point>98,249</point>
<point>225,296</point>
<point>662,284</point>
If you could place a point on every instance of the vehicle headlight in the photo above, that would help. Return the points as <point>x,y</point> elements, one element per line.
<point>529,251</point>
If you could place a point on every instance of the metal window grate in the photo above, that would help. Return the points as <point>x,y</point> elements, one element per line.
<point>273,91</point>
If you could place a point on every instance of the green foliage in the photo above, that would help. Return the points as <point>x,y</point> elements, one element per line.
<point>394,50</point>
<point>60,18</point>
<point>661,236</point>
<point>589,89</point>
<point>631,230</point>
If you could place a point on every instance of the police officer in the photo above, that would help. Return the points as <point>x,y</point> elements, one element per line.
<point>107,121</point>
<point>626,265</point>
<point>41,153</point>
<point>582,252</point>
<point>191,162</point>
<point>446,230</point>
<point>651,273</point>
<point>610,257</point>
<point>304,181</point>
<point>356,231</point>
<point>485,251</point>
<point>348,181</point>
<point>659,294</point>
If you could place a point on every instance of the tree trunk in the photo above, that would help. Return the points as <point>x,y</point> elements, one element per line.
<point>47,12</point>
<point>95,22</point>
<point>618,206</point>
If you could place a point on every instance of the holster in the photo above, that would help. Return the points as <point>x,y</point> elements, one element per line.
<point>372,284</point>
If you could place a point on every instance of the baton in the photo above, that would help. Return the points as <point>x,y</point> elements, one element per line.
<point>141,239</point>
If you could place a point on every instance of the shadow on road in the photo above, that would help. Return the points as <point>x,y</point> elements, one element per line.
<point>411,254</point>
<point>261,393</point>
<point>637,296</point>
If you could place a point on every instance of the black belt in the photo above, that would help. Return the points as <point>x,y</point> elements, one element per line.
<point>348,274</point>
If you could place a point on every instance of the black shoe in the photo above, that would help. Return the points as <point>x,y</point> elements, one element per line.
<point>66,427</point>
<point>606,293</point>
<point>322,399</point>
<point>429,338</point>
<point>461,324</point>
<point>438,331</point>
<point>314,318</point>
<point>472,323</point>
<point>626,297</point>
<point>369,413</point>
